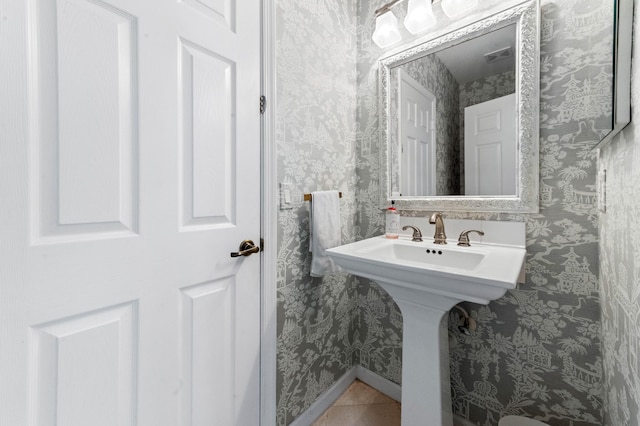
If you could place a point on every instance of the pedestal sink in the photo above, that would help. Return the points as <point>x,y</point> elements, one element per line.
<point>426,281</point>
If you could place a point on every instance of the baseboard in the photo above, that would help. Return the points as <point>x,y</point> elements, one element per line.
<point>379,383</point>
<point>331,395</point>
<point>326,400</point>
<point>394,390</point>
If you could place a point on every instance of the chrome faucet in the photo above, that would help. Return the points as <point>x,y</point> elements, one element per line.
<point>439,237</point>
<point>417,234</point>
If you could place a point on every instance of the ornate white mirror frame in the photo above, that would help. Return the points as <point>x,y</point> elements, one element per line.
<point>526,17</point>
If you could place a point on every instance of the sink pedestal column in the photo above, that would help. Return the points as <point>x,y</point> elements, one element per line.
<point>426,388</point>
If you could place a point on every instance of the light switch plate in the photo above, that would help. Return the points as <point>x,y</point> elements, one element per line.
<point>602,190</point>
<point>286,197</point>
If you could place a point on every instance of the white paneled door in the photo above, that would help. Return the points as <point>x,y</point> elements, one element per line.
<point>129,170</point>
<point>416,117</point>
<point>490,152</point>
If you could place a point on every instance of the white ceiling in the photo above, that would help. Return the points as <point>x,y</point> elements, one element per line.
<point>466,61</point>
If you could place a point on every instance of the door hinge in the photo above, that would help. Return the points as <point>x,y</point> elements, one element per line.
<point>261,244</point>
<point>263,104</point>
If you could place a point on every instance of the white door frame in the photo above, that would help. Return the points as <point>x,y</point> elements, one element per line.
<point>268,355</point>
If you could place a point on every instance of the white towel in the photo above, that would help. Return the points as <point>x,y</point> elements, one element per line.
<point>324,224</point>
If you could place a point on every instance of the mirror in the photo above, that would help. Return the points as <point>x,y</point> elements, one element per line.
<point>459,117</point>
<point>622,39</point>
<point>452,119</point>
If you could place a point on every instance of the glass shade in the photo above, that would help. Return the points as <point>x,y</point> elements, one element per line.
<point>386,32</point>
<point>419,16</point>
<point>455,8</point>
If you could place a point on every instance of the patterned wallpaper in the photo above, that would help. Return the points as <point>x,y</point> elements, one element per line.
<point>620,266</point>
<point>315,131</point>
<point>536,351</point>
<point>487,88</point>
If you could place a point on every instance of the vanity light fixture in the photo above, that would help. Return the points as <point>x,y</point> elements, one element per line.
<point>419,17</point>
<point>386,32</point>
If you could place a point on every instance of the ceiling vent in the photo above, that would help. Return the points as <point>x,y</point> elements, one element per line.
<point>499,55</point>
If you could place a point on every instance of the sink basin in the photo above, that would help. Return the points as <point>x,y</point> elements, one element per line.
<point>479,274</point>
<point>404,251</point>
<point>426,280</point>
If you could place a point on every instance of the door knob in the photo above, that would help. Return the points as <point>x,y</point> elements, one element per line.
<point>247,248</point>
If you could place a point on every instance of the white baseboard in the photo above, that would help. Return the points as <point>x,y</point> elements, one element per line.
<point>331,395</point>
<point>379,383</point>
<point>326,400</point>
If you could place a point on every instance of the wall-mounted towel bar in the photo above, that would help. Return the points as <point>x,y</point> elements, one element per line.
<point>308,197</point>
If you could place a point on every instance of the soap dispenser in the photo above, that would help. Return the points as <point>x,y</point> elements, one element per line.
<point>392,222</point>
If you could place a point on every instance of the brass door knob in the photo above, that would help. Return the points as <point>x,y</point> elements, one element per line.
<point>247,248</point>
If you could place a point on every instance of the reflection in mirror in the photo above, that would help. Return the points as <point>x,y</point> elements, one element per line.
<point>620,113</point>
<point>452,119</point>
<point>459,116</point>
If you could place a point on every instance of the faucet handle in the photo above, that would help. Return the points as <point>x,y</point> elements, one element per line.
<point>417,234</point>
<point>463,239</point>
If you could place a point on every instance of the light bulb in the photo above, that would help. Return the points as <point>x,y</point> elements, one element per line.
<point>454,8</point>
<point>419,16</point>
<point>386,32</point>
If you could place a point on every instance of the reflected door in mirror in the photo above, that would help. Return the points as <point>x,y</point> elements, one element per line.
<point>490,147</point>
<point>417,137</point>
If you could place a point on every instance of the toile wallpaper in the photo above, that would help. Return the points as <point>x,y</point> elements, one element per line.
<point>487,88</point>
<point>315,135</point>
<point>537,351</point>
<point>620,266</point>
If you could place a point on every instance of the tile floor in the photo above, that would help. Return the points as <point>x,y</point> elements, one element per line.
<point>361,405</point>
